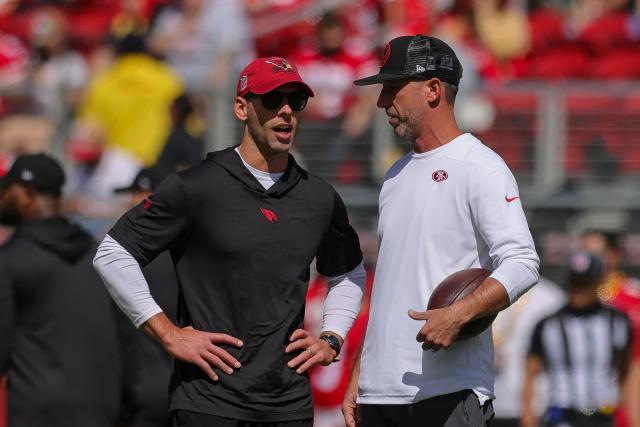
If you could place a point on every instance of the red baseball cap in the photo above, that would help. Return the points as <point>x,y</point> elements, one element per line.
<point>263,75</point>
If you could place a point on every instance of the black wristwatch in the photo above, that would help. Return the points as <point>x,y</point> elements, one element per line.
<point>333,343</point>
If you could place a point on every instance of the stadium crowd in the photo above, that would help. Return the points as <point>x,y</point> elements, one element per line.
<point>114,87</point>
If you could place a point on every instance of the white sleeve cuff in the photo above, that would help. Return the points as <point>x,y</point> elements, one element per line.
<point>516,277</point>
<point>343,301</point>
<point>124,281</point>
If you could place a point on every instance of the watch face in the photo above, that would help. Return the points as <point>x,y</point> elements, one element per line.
<point>333,342</point>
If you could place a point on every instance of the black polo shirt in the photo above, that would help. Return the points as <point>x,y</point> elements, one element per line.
<point>242,256</point>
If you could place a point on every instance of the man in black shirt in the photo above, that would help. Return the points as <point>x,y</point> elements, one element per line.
<point>243,228</point>
<point>58,341</point>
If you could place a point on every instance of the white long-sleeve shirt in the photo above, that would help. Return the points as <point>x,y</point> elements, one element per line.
<point>445,210</point>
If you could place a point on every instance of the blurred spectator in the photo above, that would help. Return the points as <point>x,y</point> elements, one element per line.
<point>132,18</point>
<point>24,131</point>
<point>185,145</point>
<point>280,26</point>
<point>363,22</point>
<point>126,111</point>
<point>584,348</point>
<point>402,17</point>
<point>59,73</point>
<point>512,330</point>
<point>607,245</point>
<point>504,31</point>
<point>203,40</point>
<point>337,120</point>
<point>457,26</point>
<point>146,366</point>
<point>14,63</point>
<point>59,344</point>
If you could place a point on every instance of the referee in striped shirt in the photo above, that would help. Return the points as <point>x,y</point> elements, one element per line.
<point>584,348</point>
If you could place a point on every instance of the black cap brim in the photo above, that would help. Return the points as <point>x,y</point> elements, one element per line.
<point>379,78</point>
<point>124,190</point>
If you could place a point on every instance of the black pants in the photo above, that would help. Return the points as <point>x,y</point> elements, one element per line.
<point>568,417</point>
<point>195,419</point>
<point>450,410</point>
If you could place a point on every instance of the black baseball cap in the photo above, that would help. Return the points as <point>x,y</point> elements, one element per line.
<point>40,171</point>
<point>418,57</point>
<point>147,179</point>
<point>584,269</point>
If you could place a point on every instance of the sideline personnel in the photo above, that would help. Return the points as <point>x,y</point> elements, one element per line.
<point>243,228</point>
<point>448,205</point>
<point>58,338</point>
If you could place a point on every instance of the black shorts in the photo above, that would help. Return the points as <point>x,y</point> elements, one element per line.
<point>195,419</point>
<point>460,409</point>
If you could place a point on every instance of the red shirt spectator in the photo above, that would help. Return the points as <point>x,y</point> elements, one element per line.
<point>408,17</point>
<point>332,75</point>
<point>628,301</point>
<point>279,25</point>
<point>362,20</point>
<point>329,384</point>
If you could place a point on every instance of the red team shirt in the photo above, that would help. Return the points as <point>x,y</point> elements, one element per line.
<point>329,383</point>
<point>628,301</point>
<point>332,78</point>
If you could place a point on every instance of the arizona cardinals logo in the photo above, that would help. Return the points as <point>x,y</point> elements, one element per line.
<point>385,55</point>
<point>270,215</point>
<point>244,82</point>
<point>146,203</point>
<point>280,65</point>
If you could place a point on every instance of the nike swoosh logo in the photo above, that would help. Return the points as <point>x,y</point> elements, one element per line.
<point>511,199</point>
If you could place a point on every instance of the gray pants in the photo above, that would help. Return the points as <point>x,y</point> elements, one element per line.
<point>460,409</point>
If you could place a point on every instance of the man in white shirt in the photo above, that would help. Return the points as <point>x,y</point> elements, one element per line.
<point>450,204</point>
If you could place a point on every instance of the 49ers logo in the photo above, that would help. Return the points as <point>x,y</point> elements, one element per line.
<point>280,65</point>
<point>270,215</point>
<point>440,175</point>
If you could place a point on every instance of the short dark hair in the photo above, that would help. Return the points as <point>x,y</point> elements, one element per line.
<point>450,92</point>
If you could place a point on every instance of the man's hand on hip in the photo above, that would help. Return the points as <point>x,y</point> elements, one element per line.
<point>193,346</point>
<point>441,327</point>
<point>315,351</point>
<point>201,349</point>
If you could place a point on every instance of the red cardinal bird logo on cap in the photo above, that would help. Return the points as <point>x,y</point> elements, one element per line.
<point>280,65</point>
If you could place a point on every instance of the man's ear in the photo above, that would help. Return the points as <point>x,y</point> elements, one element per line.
<point>241,108</point>
<point>434,89</point>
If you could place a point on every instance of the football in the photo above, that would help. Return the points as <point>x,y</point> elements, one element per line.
<point>454,288</point>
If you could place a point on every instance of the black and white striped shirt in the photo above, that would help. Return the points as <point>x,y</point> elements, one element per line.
<point>582,351</point>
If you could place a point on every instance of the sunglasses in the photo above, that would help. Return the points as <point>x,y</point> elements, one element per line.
<point>273,100</point>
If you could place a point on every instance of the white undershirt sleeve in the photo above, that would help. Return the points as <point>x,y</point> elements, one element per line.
<point>124,281</point>
<point>343,301</point>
